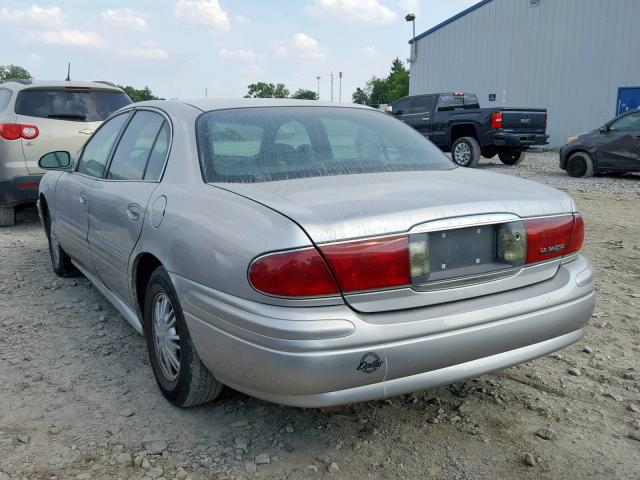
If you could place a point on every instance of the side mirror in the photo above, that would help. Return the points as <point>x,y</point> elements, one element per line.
<point>604,129</point>
<point>397,112</point>
<point>55,161</point>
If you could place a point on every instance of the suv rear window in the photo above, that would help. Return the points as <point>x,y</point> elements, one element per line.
<point>451,101</point>
<point>66,104</point>
<point>266,144</point>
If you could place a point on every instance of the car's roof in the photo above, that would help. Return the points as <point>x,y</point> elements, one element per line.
<point>22,84</point>
<point>225,103</point>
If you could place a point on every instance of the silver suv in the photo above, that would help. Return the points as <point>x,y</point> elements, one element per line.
<point>37,117</point>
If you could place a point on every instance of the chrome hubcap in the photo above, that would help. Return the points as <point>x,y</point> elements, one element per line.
<point>462,154</point>
<point>165,337</point>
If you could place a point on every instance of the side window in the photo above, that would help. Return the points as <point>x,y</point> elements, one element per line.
<point>627,123</point>
<point>422,104</point>
<point>133,150</point>
<point>402,107</point>
<point>5,98</point>
<point>158,154</point>
<point>96,151</point>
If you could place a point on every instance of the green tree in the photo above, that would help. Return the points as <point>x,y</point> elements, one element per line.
<point>360,96</point>
<point>305,94</point>
<point>13,71</point>
<point>397,81</point>
<point>385,90</point>
<point>138,95</point>
<point>267,90</point>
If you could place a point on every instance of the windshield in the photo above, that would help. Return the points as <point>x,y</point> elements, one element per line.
<point>74,105</point>
<point>264,144</point>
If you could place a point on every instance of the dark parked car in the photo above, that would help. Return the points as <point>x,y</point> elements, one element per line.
<point>456,123</point>
<point>614,147</point>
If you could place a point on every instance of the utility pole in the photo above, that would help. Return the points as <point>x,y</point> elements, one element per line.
<point>331,77</point>
<point>206,93</point>
<point>340,87</point>
<point>318,77</point>
<point>68,72</point>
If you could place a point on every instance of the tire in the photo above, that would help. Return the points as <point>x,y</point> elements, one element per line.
<point>465,152</point>
<point>580,165</point>
<point>60,261</point>
<point>512,157</point>
<point>489,152</point>
<point>7,216</point>
<point>180,374</point>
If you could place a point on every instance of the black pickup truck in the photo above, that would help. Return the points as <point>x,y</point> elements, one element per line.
<point>456,123</point>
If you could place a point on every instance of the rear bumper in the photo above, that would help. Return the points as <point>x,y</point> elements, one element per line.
<point>323,356</point>
<point>524,140</point>
<point>19,190</point>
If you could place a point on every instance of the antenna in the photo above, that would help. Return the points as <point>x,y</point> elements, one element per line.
<point>68,72</point>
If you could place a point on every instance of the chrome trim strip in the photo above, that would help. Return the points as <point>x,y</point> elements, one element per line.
<point>466,280</point>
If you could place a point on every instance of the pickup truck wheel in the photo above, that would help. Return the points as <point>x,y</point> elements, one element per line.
<point>182,377</point>
<point>580,165</point>
<point>512,157</point>
<point>465,151</point>
<point>7,216</point>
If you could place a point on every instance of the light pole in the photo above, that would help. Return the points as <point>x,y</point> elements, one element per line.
<point>318,77</point>
<point>331,78</point>
<point>340,87</point>
<point>411,17</point>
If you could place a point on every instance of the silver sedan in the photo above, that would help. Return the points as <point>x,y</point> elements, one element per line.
<point>311,254</point>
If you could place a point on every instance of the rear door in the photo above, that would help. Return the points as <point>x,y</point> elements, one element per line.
<point>65,117</point>
<point>419,115</point>
<point>119,201</point>
<point>74,192</point>
<point>619,147</point>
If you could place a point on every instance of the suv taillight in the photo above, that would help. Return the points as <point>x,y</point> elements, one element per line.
<point>15,131</point>
<point>496,120</point>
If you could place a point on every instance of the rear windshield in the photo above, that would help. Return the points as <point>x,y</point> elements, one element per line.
<point>452,101</point>
<point>74,105</point>
<point>266,144</point>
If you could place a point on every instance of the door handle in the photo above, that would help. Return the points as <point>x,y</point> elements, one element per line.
<point>425,118</point>
<point>82,198</point>
<point>133,212</point>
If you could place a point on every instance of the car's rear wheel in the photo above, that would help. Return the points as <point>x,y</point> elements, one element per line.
<point>179,372</point>
<point>7,216</point>
<point>60,261</point>
<point>512,157</point>
<point>465,151</point>
<point>580,164</point>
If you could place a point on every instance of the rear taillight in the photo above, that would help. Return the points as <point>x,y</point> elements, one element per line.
<point>297,273</point>
<point>15,131</point>
<point>553,237</point>
<point>370,264</point>
<point>496,120</point>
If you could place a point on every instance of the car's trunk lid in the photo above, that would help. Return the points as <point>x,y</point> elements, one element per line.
<point>338,208</point>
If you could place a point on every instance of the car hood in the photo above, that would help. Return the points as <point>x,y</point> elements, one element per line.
<point>353,206</point>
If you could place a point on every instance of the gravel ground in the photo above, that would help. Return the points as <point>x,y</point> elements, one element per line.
<point>79,399</point>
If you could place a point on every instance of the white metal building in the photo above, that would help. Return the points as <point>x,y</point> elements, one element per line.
<point>579,59</point>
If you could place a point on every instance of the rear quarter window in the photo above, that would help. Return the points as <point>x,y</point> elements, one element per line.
<point>66,104</point>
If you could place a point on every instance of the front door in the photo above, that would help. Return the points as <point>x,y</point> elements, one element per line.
<point>74,193</point>
<point>119,202</point>
<point>628,99</point>
<point>619,148</point>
